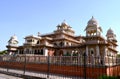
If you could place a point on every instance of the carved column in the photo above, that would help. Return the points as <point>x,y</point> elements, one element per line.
<point>45,51</point>
<point>97,51</point>
<point>87,50</point>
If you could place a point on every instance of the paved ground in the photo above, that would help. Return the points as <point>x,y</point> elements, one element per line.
<point>3,76</point>
<point>35,74</point>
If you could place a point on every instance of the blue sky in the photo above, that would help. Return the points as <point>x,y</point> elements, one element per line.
<point>26,17</point>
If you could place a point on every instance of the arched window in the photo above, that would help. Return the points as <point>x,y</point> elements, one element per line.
<point>35,51</point>
<point>61,44</point>
<point>38,42</point>
<point>55,44</point>
<point>67,44</point>
<point>27,51</point>
<point>68,54</point>
<point>91,51</point>
<point>41,53</point>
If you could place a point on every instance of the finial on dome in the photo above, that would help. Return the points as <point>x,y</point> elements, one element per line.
<point>64,20</point>
<point>92,17</point>
<point>14,35</point>
<point>110,28</point>
<point>38,34</point>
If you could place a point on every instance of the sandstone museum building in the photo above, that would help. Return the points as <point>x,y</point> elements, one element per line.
<point>63,42</point>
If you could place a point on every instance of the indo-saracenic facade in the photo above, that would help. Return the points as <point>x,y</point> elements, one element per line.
<point>63,42</point>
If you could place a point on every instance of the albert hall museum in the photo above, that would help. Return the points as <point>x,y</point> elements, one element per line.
<point>63,42</point>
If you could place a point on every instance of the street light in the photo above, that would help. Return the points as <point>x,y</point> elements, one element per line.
<point>48,66</point>
<point>24,63</point>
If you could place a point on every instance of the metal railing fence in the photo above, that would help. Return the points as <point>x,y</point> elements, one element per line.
<point>81,66</point>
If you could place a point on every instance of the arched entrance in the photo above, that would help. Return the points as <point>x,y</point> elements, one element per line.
<point>58,53</point>
<point>61,53</point>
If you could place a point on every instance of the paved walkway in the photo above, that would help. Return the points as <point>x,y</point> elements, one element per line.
<point>35,74</point>
<point>3,76</point>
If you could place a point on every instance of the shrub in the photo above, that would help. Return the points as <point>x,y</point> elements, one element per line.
<point>107,77</point>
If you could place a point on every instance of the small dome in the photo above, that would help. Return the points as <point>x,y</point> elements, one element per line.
<point>14,37</point>
<point>110,35</point>
<point>64,23</point>
<point>110,31</point>
<point>92,22</point>
<point>13,40</point>
<point>58,25</point>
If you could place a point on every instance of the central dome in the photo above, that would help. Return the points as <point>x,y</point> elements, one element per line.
<point>92,22</point>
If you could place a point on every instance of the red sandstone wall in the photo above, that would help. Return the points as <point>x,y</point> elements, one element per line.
<point>92,72</point>
<point>113,71</point>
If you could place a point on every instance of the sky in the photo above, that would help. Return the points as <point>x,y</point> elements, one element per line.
<point>28,17</point>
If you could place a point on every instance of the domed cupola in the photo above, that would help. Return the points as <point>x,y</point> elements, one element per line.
<point>92,22</point>
<point>93,28</point>
<point>110,32</point>
<point>110,35</point>
<point>64,23</point>
<point>64,28</point>
<point>13,41</point>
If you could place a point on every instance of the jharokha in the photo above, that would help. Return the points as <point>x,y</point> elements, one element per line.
<point>63,42</point>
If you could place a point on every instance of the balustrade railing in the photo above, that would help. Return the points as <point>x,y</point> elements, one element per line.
<point>66,60</point>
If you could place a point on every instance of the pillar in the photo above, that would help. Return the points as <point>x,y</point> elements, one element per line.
<point>97,51</point>
<point>45,51</point>
<point>87,50</point>
<point>103,56</point>
<point>65,43</point>
<point>30,51</point>
<point>18,52</point>
<point>33,51</point>
<point>64,52</point>
<point>24,52</point>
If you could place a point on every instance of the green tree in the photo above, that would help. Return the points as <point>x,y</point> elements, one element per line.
<point>3,52</point>
<point>118,55</point>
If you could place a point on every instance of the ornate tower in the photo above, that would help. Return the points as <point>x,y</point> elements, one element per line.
<point>111,38</point>
<point>12,45</point>
<point>94,39</point>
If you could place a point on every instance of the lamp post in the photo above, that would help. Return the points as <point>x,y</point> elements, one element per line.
<point>84,55</point>
<point>24,63</point>
<point>48,66</point>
